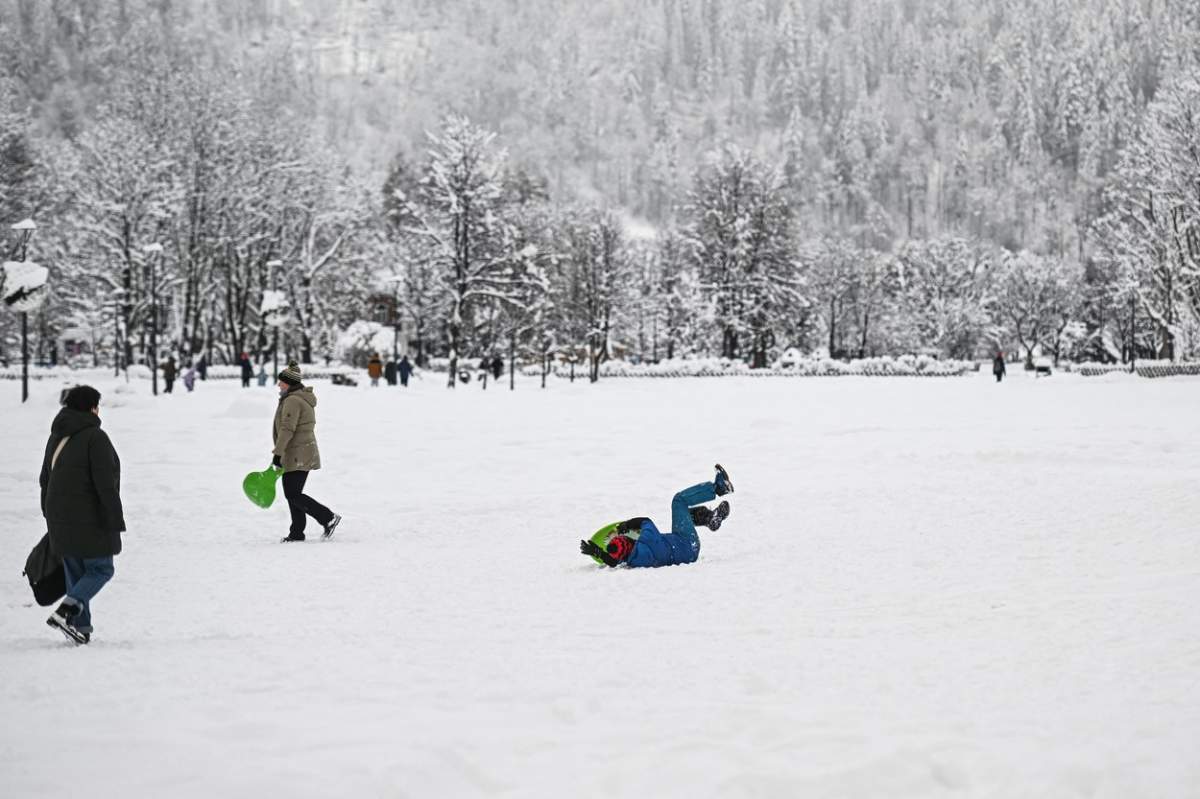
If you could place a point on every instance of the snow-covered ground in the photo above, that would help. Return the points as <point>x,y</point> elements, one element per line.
<point>927,588</point>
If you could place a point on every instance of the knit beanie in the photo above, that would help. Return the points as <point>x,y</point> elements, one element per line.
<point>291,375</point>
<point>620,547</point>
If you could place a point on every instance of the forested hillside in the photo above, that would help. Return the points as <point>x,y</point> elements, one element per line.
<point>1019,169</point>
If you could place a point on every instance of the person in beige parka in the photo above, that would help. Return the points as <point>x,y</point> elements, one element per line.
<point>295,436</point>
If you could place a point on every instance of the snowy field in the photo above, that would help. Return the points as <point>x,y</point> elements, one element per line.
<point>928,587</point>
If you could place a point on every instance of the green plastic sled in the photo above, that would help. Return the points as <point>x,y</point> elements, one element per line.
<point>260,486</point>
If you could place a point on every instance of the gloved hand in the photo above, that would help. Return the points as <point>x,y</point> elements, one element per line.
<point>277,462</point>
<point>594,550</point>
<point>633,525</point>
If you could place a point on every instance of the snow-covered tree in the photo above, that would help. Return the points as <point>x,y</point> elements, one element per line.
<point>127,196</point>
<point>1037,299</point>
<point>597,272</point>
<point>460,212</point>
<point>835,268</point>
<point>741,239</point>
<point>944,287</point>
<point>1153,228</point>
<point>679,297</point>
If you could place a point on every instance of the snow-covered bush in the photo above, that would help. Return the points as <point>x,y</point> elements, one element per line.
<point>1166,369</point>
<point>141,372</point>
<point>362,339</point>
<point>1144,368</point>
<point>310,371</point>
<point>1093,368</point>
<point>906,366</point>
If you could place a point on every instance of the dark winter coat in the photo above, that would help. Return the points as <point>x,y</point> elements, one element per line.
<point>81,495</point>
<point>655,549</point>
<point>389,372</point>
<point>169,370</point>
<point>405,368</point>
<point>998,367</point>
<point>247,369</point>
<point>295,431</point>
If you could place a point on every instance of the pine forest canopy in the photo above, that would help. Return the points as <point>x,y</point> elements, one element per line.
<point>944,176</point>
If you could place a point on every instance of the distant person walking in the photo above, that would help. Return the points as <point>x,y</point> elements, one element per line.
<point>998,367</point>
<point>81,500</point>
<point>374,369</point>
<point>497,367</point>
<point>202,367</point>
<point>295,437</point>
<point>405,369</point>
<point>189,379</point>
<point>247,369</point>
<point>169,370</point>
<point>389,372</point>
<point>262,374</point>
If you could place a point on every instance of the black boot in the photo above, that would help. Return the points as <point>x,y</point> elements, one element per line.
<point>62,618</point>
<point>722,484</point>
<point>717,516</point>
<point>329,528</point>
<point>292,538</point>
<point>710,517</point>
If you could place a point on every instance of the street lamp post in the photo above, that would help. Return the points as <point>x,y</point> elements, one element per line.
<point>395,280</point>
<point>153,253</point>
<point>25,229</point>
<point>117,332</point>
<point>272,278</point>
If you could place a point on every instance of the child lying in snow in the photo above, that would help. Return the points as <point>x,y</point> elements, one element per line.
<point>682,545</point>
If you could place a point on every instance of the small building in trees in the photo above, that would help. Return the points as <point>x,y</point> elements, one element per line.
<point>385,309</point>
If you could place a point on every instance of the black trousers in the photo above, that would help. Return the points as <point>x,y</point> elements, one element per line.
<point>302,505</point>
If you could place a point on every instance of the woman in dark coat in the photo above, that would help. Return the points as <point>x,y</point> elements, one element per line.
<point>81,500</point>
<point>169,370</point>
<point>998,368</point>
<point>247,369</point>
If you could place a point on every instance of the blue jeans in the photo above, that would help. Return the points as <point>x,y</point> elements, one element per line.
<point>681,513</point>
<point>85,577</point>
